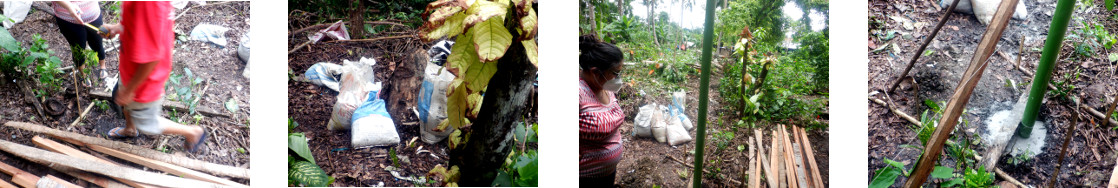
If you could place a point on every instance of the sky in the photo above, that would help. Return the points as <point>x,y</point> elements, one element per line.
<point>693,17</point>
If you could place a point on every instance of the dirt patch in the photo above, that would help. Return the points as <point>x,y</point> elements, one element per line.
<point>938,73</point>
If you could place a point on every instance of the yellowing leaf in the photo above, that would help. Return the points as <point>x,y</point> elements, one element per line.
<point>484,10</point>
<point>443,13</point>
<point>456,106</point>
<point>462,55</point>
<point>450,27</point>
<point>528,25</point>
<point>475,100</point>
<point>477,77</point>
<point>491,39</point>
<point>530,49</point>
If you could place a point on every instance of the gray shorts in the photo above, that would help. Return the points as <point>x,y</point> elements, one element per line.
<point>147,117</point>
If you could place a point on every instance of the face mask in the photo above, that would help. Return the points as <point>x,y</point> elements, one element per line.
<point>613,85</point>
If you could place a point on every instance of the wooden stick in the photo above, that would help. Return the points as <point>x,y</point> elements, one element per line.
<point>778,159</point>
<point>897,112</point>
<point>51,158</point>
<point>1064,148</point>
<point>789,159</point>
<point>754,164</point>
<point>167,104</point>
<point>166,167</point>
<point>1109,110</point>
<point>920,51</point>
<point>818,179</point>
<point>770,177</point>
<point>19,177</point>
<point>56,182</point>
<point>67,150</point>
<point>962,94</point>
<point>372,39</point>
<point>82,115</point>
<point>216,169</point>
<point>332,23</point>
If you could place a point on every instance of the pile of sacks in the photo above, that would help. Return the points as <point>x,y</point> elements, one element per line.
<point>665,123</point>
<point>358,107</point>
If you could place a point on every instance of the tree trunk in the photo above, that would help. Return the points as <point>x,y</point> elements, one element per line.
<point>592,15</point>
<point>652,20</point>
<point>357,18</point>
<point>761,80</point>
<point>491,138</point>
<point>743,72</point>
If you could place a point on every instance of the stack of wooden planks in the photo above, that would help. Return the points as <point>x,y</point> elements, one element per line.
<point>789,162</point>
<point>106,173</point>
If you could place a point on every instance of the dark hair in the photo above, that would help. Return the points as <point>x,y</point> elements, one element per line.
<point>595,53</point>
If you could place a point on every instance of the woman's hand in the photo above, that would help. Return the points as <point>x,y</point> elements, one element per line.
<point>109,31</point>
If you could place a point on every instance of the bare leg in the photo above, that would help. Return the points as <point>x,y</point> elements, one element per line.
<point>192,133</point>
<point>129,128</point>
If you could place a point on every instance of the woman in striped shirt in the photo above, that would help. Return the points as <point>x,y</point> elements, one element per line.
<point>599,113</point>
<point>71,17</point>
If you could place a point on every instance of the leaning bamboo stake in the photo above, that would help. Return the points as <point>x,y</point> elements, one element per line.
<point>162,166</point>
<point>19,177</point>
<point>51,158</point>
<point>216,169</point>
<point>962,94</point>
<point>817,179</point>
<point>67,150</point>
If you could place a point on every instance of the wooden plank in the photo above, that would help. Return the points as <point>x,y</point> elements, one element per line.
<point>96,180</point>
<point>162,166</point>
<point>789,162</point>
<point>778,160</point>
<point>51,145</point>
<point>817,178</point>
<point>962,94</point>
<point>19,177</point>
<point>215,169</point>
<point>1113,178</point>
<point>57,182</point>
<point>754,164</point>
<point>5,184</point>
<point>797,148</point>
<point>764,163</point>
<point>50,158</point>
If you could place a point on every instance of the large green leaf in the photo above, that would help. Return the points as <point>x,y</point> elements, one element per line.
<point>885,177</point>
<point>305,173</point>
<point>298,142</point>
<point>529,25</point>
<point>491,39</point>
<point>484,10</point>
<point>463,54</point>
<point>942,172</point>
<point>450,27</point>
<point>7,41</point>
<point>479,74</point>
<point>457,106</point>
<point>528,173</point>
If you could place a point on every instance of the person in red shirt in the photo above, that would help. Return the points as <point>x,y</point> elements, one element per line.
<point>599,113</point>
<point>147,38</point>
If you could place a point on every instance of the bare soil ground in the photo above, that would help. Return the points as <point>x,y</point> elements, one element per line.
<point>646,162</point>
<point>218,67</point>
<point>1091,153</point>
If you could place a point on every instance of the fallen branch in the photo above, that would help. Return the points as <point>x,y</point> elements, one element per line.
<point>180,14</point>
<point>897,112</point>
<point>300,46</point>
<point>962,94</point>
<point>1008,178</point>
<point>1110,110</point>
<point>704,170</point>
<point>920,51</point>
<point>167,104</point>
<point>216,169</point>
<point>372,39</point>
<point>332,23</point>
<point>51,158</point>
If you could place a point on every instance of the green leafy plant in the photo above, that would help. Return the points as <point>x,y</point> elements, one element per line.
<point>182,89</point>
<point>522,165</point>
<point>886,176</point>
<point>301,169</point>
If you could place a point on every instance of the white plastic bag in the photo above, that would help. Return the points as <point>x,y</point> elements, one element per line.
<point>336,31</point>
<point>324,74</point>
<point>660,124</point>
<point>209,33</point>
<point>679,99</point>
<point>243,52</point>
<point>676,133</point>
<point>642,127</point>
<point>432,102</point>
<point>372,126</point>
<point>17,11</point>
<point>357,81</point>
<point>985,11</point>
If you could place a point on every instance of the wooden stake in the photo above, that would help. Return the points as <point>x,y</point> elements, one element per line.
<point>770,176</point>
<point>920,51</point>
<point>166,167</point>
<point>817,178</point>
<point>67,150</point>
<point>962,94</point>
<point>216,169</point>
<point>51,158</point>
<point>20,177</point>
<point>82,115</point>
<point>754,164</point>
